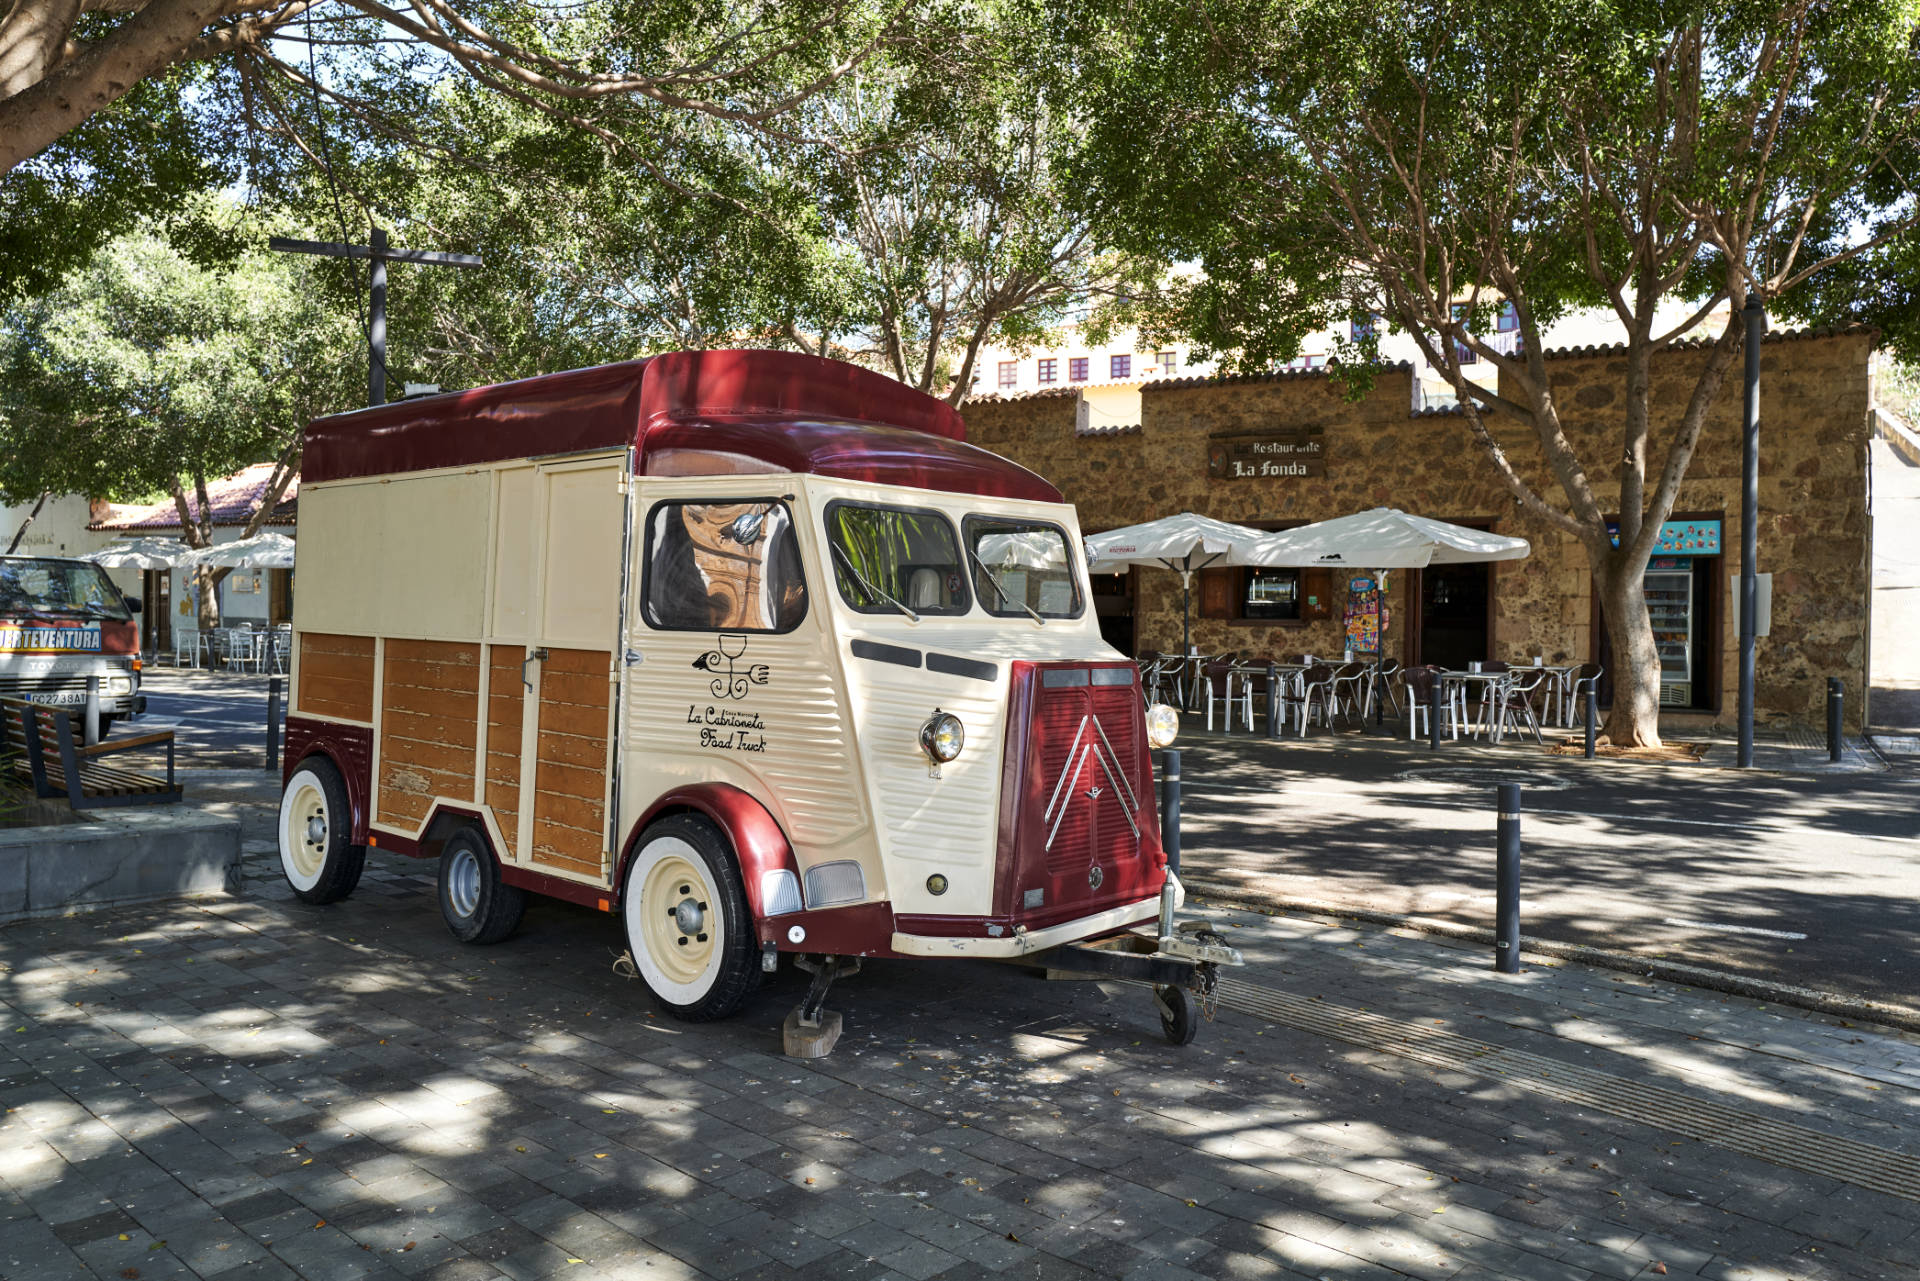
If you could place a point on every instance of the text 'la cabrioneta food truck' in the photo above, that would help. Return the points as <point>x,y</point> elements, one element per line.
<point>749,648</point>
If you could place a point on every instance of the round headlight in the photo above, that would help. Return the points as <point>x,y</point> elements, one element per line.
<point>942,736</point>
<point>1163,724</point>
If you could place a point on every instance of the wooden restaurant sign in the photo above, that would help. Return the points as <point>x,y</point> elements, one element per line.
<point>1280,453</point>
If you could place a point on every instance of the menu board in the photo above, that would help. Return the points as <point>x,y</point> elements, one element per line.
<point>1363,615</point>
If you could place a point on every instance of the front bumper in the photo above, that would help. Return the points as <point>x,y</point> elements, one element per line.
<point>1024,942</point>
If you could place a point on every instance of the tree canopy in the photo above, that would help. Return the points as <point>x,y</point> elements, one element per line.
<point>146,374</point>
<point>1327,159</point>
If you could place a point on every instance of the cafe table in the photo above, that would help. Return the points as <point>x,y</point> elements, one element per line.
<point>1486,686</point>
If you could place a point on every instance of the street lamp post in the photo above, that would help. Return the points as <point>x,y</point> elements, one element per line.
<point>1756,317</point>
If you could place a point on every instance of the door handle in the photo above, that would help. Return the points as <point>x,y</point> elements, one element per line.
<point>532,655</point>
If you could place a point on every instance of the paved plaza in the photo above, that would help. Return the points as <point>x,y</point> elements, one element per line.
<point>253,1088</point>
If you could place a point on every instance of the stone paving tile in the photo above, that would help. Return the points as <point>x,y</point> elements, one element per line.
<point>317,1089</point>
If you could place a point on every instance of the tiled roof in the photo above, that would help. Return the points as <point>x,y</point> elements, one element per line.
<point>233,499</point>
<point>1108,429</point>
<point>1270,376</point>
<point>1781,335</point>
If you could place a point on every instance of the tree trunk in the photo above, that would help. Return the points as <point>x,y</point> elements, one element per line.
<point>1634,720</point>
<point>28,522</point>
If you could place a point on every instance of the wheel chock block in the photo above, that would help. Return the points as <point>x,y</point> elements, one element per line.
<point>801,1042</point>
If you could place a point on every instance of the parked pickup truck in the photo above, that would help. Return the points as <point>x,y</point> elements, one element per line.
<point>62,621</point>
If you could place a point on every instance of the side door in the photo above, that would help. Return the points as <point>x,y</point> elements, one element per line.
<point>560,542</point>
<point>730,678</point>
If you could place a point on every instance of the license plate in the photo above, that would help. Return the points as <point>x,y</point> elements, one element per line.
<point>60,697</point>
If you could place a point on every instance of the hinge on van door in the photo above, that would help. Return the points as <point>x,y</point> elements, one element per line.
<point>540,655</point>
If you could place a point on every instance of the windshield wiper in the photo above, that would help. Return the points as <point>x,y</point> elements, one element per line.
<point>848,562</point>
<point>1001,591</point>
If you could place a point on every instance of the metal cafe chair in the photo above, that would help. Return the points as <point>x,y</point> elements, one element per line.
<point>280,653</point>
<point>1513,702</point>
<point>1583,678</point>
<point>186,647</point>
<point>1380,685</point>
<point>1453,708</point>
<point>1252,675</point>
<point>1316,685</point>
<point>1160,673</point>
<point>1216,686</point>
<point>1348,692</point>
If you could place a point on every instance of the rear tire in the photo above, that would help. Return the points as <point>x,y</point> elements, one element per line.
<point>317,854</point>
<point>477,905</point>
<point>688,927</point>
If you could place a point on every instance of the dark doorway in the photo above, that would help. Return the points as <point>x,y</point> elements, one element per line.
<point>1113,605</point>
<point>1453,614</point>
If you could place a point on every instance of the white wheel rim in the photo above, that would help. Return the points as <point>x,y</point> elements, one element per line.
<point>305,827</point>
<point>463,883</point>
<point>674,923</point>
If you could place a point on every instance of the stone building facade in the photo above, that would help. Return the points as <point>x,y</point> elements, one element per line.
<point>1814,531</point>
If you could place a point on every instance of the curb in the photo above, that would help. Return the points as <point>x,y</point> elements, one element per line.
<point>1855,1008</point>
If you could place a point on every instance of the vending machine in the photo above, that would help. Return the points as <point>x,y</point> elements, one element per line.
<point>1669,586</point>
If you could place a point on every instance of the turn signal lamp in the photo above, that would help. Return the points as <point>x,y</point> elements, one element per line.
<point>1163,725</point>
<point>942,736</point>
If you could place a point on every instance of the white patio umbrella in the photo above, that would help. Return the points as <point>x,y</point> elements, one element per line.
<point>1383,538</point>
<point>1380,539</point>
<point>1182,543</point>
<point>142,553</point>
<point>262,551</point>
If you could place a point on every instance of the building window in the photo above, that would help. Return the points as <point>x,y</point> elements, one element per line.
<point>1509,320</point>
<point>1462,354</point>
<point>1009,373</point>
<point>1119,366</point>
<point>1271,593</point>
<point>1049,370</point>
<point>1361,330</point>
<point>1077,369</point>
<point>1312,360</point>
<point>1167,361</point>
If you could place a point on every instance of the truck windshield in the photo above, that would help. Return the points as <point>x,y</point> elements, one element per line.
<point>1023,567</point>
<point>887,557</point>
<point>67,588</point>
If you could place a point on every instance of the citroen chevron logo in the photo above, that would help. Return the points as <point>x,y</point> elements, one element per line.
<point>1098,750</point>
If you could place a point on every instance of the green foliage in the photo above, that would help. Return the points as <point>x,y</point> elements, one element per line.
<point>1308,153</point>
<point>143,369</point>
<point>147,160</point>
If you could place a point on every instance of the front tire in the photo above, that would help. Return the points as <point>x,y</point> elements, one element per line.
<point>688,927</point>
<point>317,854</point>
<point>478,907</point>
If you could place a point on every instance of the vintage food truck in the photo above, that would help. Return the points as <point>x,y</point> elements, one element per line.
<point>750,648</point>
<point>61,622</point>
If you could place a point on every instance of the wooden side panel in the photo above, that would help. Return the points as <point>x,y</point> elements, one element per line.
<point>336,676</point>
<point>429,727</point>
<point>506,705</point>
<point>570,771</point>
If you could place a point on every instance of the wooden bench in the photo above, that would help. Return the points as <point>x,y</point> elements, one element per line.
<point>46,745</point>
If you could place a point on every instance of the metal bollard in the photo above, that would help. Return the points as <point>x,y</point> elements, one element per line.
<point>1433,715</point>
<point>1506,927</point>
<point>1836,705</point>
<point>90,722</point>
<point>273,724</point>
<point>1593,718</point>
<point>1276,706</point>
<point>1170,807</point>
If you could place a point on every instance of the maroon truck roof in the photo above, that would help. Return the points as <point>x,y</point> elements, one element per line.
<point>693,413</point>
